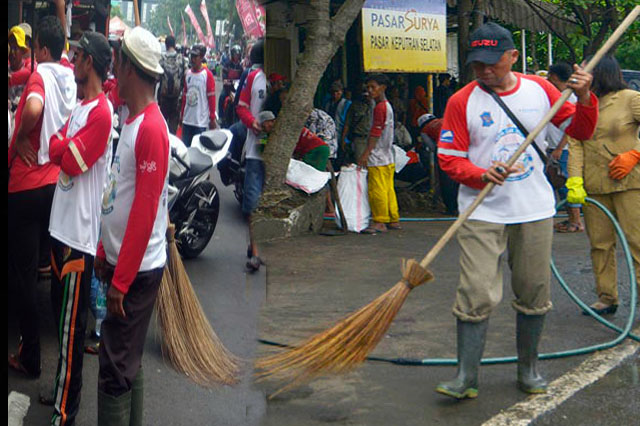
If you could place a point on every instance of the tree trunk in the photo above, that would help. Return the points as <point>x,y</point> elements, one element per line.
<point>465,7</point>
<point>324,36</point>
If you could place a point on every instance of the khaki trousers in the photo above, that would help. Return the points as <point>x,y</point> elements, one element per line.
<point>625,206</point>
<point>482,246</point>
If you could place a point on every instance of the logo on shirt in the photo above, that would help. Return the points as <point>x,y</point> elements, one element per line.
<point>109,195</point>
<point>261,94</point>
<point>507,143</point>
<point>148,166</point>
<point>65,182</point>
<point>446,136</point>
<point>487,121</point>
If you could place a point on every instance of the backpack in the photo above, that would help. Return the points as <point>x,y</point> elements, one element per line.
<point>171,81</point>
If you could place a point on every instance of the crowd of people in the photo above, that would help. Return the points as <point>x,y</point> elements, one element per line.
<point>79,206</point>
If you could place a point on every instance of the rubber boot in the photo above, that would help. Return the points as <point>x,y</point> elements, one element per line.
<point>137,394</point>
<point>471,339</point>
<point>114,410</point>
<point>528,331</point>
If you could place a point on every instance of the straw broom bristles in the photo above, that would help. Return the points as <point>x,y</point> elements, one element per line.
<point>188,339</point>
<point>347,344</point>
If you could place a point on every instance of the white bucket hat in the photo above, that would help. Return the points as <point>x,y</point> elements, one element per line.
<point>144,50</point>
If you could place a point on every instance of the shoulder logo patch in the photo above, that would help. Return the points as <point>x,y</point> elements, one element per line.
<point>446,136</point>
<point>487,121</point>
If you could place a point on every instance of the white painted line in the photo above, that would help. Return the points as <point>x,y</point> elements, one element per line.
<point>18,407</point>
<point>563,388</point>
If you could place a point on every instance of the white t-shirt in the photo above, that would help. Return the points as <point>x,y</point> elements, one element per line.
<point>198,88</point>
<point>476,132</point>
<point>383,129</point>
<point>75,212</point>
<point>254,94</point>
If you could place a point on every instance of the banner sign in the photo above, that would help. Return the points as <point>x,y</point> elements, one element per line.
<point>252,17</point>
<point>404,35</point>
<point>211,44</point>
<point>195,24</point>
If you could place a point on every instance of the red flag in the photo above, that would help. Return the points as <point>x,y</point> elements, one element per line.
<point>195,24</point>
<point>169,22</point>
<point>210,41</point>
<point>184,31</point>
<point>247,14</point>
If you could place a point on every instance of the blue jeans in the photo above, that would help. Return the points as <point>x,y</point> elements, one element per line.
<point>188,132</point>
<point>253,184</point>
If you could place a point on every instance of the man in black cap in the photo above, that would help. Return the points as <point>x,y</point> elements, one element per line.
<point>82,149</point>
<point>476,141</point>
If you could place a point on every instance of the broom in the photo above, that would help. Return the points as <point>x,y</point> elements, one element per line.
<point>188,340</point>
<point>347,344</point>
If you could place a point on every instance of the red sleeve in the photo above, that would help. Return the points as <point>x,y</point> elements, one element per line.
<point>35,86</point>
<point>242,109</point>
<point>79,153</point>
<point>57,146</point>
<point>453,144</point>
<point>379,118</point>
<point>152,154</point>
<point>585,117</point>
<point>433,129</point>
<point>211,95</point>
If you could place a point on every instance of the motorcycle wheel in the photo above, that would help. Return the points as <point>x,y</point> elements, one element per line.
<point>199,233</point>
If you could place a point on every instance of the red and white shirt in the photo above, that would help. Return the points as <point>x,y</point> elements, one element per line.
<point>252,99</point>
<point>22,177</point>
<point>82,149</point>
<point>476,133</point>
<point>382,128</point>
<point>134,205</point>
<point>199,98</point>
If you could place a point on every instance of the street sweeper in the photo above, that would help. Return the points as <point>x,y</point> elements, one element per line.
<point>477,137</point>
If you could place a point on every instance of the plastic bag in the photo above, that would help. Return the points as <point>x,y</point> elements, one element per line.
<point>306,178</point>
<point>98,301</point>
<point>354,196</point>
<point>401,158</point>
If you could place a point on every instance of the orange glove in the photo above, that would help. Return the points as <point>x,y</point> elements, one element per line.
<point>622,165</point>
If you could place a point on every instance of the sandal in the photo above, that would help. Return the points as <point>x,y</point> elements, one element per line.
<point>92,349</point>
<point>16,365</point>
<point>567,227</point>
<point>394,227</point>
<point>372,231</point>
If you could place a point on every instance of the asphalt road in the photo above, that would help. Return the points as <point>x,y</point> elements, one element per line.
<point>231,300</point>
<point>314,281</point>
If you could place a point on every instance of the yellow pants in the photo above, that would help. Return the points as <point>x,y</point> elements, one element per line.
<point>625,206</point>
<point>382,195</point>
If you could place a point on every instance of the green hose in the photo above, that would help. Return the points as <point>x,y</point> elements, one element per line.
<point>624,333</point>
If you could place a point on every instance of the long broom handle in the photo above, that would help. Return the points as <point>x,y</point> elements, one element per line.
<point>547,118</point>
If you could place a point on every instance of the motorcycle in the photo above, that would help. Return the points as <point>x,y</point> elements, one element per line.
<point>194,202</point>
<point>232,167</point>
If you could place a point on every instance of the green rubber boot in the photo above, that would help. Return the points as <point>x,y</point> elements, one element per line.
<point>528,331</point>
<point>114,410</point>
<point>137,399</point>
<point>471,339</point>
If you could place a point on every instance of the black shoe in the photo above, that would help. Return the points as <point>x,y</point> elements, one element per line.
<point>609,310</point>
<point>253,264</point>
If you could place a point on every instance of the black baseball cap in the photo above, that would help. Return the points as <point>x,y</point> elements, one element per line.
<point>198,49</point>
<point>488,43</point>
<point>96,45</point>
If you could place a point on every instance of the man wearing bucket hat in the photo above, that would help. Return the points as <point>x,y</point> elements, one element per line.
<point>476,140</point>
<point>132,251</point>
<point>83,152</point>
